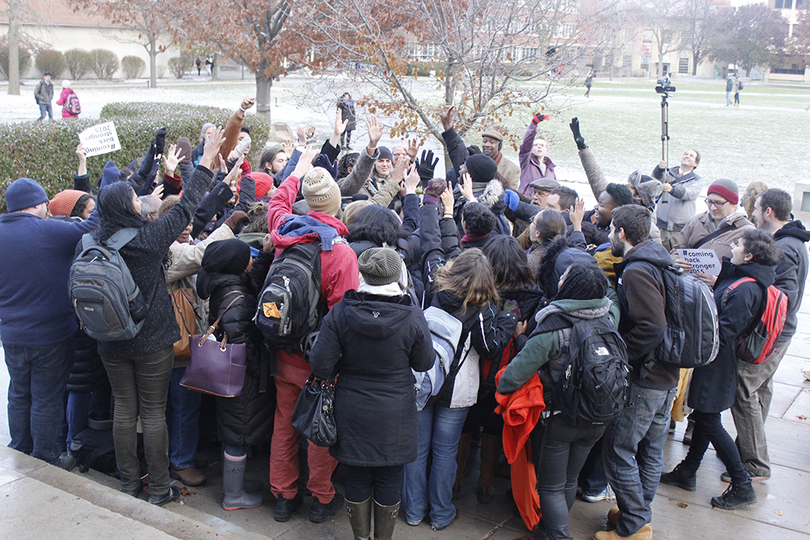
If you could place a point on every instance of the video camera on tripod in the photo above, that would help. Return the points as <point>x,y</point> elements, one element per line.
<point>664,86</point>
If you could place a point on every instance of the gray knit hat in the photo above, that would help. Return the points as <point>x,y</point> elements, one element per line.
<point>321,191</point>
<point>725,188</point>
<point>380,266</point>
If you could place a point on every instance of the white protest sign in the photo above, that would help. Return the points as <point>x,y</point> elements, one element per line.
<point>100,139</point>
<point>703,261</point>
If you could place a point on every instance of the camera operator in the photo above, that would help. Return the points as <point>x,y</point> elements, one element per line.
<point>681,188</point>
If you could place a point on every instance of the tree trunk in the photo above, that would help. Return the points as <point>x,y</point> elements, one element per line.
<point>263,87</point>
<point>215,70</point>
<point>152,62</point>
<point>14,48</point>
<point>695,61</point>
<point>660,70</point>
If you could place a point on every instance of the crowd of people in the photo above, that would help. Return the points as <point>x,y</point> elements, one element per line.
<point>495,246</point>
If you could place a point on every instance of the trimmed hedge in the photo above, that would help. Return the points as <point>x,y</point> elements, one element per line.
<point>79,62</point>
<point>45,151</point>
<point>53,61</point>
<point>133,67</point>
<point>24,61</point>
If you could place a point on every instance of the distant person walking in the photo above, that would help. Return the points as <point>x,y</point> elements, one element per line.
<point>71,107</point>
<point>346,107</point>
<point>738,86</point>
<point>588,83</point>
<point>729,88</point>
<point>43,94</point>
<point>209,64</point>
<point>199,66</point>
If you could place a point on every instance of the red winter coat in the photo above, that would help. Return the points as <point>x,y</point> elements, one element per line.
<point>63,100</point>
<point>339,271</point>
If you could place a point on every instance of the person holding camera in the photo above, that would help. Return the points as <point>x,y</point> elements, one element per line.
<point>681,188</point>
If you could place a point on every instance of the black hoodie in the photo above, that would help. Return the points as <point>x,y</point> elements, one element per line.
<point>791,272</point>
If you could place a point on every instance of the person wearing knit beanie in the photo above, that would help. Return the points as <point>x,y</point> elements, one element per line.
<point>110,174</point>
<point>481,168</point>
<point>727,189</point>
<point>380,266</point>
<point>321,191</point>
<point>230,256</point>
<point>24,193</point>
<point>71,202</point>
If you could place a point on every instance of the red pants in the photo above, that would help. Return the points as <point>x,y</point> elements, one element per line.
<point>284,450</point>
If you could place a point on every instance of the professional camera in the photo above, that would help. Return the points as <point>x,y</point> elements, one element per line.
<point>664,86</point>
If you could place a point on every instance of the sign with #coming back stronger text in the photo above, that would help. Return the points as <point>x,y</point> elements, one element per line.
<point>703,261</point>
<point>100,139</point>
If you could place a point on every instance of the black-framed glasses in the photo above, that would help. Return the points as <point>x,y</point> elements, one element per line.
<point>716,204</point>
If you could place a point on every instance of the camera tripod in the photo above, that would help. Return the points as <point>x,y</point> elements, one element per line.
<point>665,127</point>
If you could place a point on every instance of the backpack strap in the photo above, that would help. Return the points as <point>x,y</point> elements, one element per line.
<point>121,238</point>
<point>722,230</point>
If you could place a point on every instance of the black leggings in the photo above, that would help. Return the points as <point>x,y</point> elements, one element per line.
<point>709,429</point>
<point>385,481</point>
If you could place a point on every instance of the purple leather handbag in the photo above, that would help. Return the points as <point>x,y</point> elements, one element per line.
<point>216,368</point>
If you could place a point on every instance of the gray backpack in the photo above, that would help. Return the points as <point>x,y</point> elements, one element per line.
<point>108,303</point>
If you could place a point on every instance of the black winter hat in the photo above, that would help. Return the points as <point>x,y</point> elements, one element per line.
<point>226,257</point>
<point>385,153</point>
<point>481,168</point>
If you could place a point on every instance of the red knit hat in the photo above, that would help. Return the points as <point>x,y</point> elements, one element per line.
<point>725,188</point>
<point>64,202</point>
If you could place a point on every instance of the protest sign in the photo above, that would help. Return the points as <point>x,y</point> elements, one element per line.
<point>704,261</point>
<point>100,139</point>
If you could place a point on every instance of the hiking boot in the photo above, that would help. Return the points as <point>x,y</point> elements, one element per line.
<point>321,512</point>
<point>189,476</point>
<point>644,533</point>
<point>285,507</point>
<point>680,477</point>
<point>614,515</point>
<point>687,435</point>
<point>172,495</point>
<point>725,477</point>
<point>736,496</point>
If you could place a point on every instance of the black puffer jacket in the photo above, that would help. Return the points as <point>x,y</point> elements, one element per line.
<point>87,374</point>
<point>374,342</point>
<point>247,419</point>
<point>713,386</point>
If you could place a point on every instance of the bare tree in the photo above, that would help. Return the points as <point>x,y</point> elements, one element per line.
<point>14,47</point>
<point>486,57</point>
<point>147,17</point>
<point>702,20</point>
<point>665,19</point>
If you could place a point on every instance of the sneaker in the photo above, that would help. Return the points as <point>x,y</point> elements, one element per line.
<point>321,512</point>
<point>736,496</point>
<point>189,476</point>
<point>606,495</point>
<point>680,477</point>
<point>285,507</point>
<point>725,477</point>
<point>172,495</point>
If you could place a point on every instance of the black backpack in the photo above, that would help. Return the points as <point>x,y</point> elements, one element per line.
<point>93,448</point>
<point>588,379</point>
<point>290,307</point>
<point>692,336</point>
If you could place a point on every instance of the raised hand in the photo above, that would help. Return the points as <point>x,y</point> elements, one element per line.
<point>446,115</point>
<point>374,131</point>
<point>212,146</point>
<point>171,159</point>
<point>304,164</point>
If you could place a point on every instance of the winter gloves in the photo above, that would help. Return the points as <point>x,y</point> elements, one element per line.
<point>574,125</point>
<point>433,191</point>
<point>539,118</point>
<point>426,165</point>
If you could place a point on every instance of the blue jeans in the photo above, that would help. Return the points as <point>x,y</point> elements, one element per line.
<point>36,395</point>
<point>76,413</point>
<point>183,420</point>
<point>438,432</point>
<point>45,109</point>
<point>140,385</point>
<point>564,449</point>
<point>634,454</point>
<point>592,477</point>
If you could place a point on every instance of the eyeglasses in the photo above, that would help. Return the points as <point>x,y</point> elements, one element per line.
<point>716,204</point>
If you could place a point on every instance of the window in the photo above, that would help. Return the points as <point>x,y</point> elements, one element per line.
<point>645,62</point>
<point>683,65</point>
<point>627,61</point>
<point>648,36</point>
<point>529,53</point>
<point>564,31</point>
<point>784,4</point>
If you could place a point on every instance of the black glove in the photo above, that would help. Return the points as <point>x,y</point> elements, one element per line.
<point>574,125</point>
<point>160,141</point>
<point>426,165</point>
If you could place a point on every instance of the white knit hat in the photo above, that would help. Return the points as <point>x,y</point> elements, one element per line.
<point>321,191</point>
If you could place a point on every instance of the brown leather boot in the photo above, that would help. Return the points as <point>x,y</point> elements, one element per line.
<point>189,476</point>
<point>644,533</point>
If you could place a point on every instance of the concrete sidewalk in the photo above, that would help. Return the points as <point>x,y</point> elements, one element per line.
<point>41,501</point>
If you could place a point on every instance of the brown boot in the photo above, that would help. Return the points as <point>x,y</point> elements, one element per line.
<point>461,462</point>
<point>490,452</point>
<point>614,515</point>
<point>644,533</point>
<point>189,476</point>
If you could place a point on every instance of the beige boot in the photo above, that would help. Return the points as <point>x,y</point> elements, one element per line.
<point>644,533</point>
